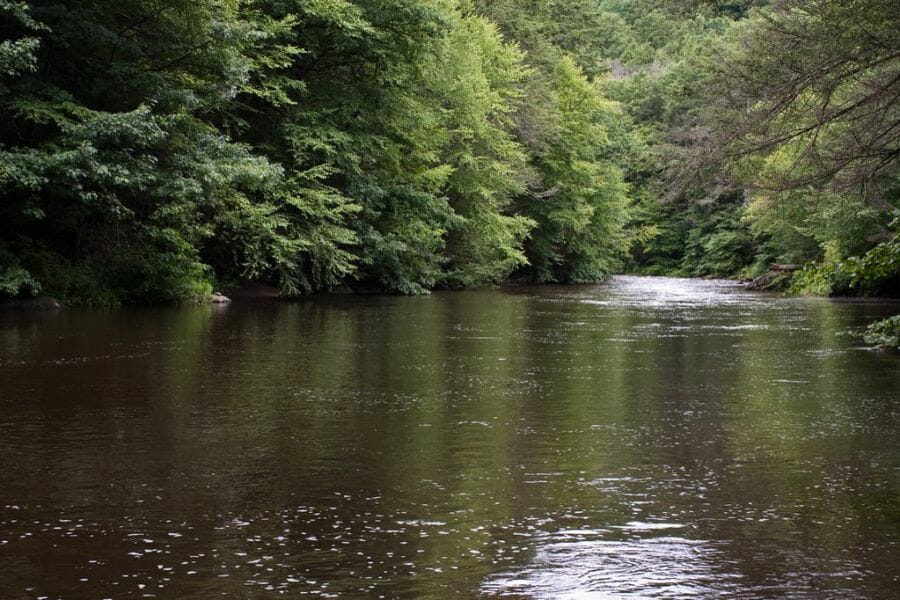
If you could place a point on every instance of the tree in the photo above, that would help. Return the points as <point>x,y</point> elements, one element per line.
<point>476,77</point>
<point>816,83</point>
<point>582,209</point>
<point>117,167</point>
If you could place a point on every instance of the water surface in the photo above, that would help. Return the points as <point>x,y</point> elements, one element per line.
<point>645,438</point>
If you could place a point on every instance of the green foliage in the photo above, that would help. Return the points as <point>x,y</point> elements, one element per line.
<point>404,127</point>
<point>790,102</point>
<point>818,279</point>
<point>696,239</point>
<point>14,279</point>
<point>662,57</point>
<point>884,333</point>
<point>877,272</point>
<point>123,161</point>
<point>477,78</point>
<point>717,243</point>
<point>149,151</point>
<point>813,84</point>
<point>114,169</point>
<point>581,210</point>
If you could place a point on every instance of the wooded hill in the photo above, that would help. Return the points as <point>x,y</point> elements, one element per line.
<point>151,150</point>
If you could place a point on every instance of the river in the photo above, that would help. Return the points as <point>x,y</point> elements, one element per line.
<point>648,437</point>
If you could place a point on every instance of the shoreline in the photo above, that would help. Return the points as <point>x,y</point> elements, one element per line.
<point>266,293</point>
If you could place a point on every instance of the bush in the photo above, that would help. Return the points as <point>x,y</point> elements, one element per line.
<point>15,280</point>
<point>884,334</point>
<point>875,273</point>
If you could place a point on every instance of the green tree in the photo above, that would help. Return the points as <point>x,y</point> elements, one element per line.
<point>581,212</point>
<point>117,169</point>
<point>819,145</point>
<point>476,78</point>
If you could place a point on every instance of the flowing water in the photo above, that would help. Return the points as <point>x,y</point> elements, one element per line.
<point>657,438</point>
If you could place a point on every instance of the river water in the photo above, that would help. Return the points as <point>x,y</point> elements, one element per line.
<point>658,438</point>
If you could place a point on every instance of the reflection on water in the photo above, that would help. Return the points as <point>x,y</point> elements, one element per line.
<point>645,438</point>
<point>654,293</point>
<point>586,564</point>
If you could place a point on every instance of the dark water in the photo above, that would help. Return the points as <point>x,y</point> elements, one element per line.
<point>645,438</point>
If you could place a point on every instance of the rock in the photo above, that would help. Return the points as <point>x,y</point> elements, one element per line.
<point>219,298</point>
<point>47,303</point>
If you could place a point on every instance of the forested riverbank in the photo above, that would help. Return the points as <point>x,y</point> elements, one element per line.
<point>152,151</point>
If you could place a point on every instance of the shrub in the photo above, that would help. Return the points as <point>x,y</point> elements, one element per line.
<point>884,334</point>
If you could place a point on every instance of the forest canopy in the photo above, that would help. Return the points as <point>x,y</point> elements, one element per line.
<point>151,151</point>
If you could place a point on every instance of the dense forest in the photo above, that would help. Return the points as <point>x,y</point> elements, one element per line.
<point>153,150</point>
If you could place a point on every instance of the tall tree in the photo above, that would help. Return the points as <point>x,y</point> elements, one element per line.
<point>116,168</point>
<point>581,209</point>
<point>477,79</point>
<point>816,82</point>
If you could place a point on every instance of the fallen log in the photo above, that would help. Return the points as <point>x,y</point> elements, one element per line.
<point>785,268</point>
<point>774,278</point>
